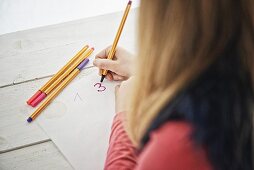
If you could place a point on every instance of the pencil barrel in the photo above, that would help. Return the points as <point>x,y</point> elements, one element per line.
<point>56,76</point>
<point>118,34</point>
<point>63,69</point>
<point>70,69</point>
<point>119,31</point>
<point>53,95</point>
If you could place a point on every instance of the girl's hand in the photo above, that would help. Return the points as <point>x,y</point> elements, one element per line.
<point>120,67</point>
<point>122,94</point>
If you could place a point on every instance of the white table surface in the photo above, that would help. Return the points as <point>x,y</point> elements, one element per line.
<point>27,60</point>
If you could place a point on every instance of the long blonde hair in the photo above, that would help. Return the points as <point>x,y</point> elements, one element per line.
<point>178,40</point>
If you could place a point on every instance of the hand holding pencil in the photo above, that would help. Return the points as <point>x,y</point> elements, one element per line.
<point>118,34</point>
<point>119,68</point>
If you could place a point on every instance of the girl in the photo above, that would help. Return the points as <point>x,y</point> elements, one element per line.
<point>189,103</point>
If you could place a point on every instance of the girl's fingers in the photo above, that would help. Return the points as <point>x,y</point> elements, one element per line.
<point>109,77</point>
<point>117,77</point>
<point>105,64</point>
<point>104,53</point>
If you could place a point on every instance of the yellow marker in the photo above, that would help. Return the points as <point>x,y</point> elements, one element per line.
<point>57,75</point>
<point>44,94</point>
<point>52,95</point>
<point>118,34</point>
<point>71,68</point>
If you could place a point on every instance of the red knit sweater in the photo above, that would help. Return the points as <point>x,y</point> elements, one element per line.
<point>169,147</point>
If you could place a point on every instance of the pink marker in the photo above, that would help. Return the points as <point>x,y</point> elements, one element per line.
<point>37,94</point>
<point>38,99</point>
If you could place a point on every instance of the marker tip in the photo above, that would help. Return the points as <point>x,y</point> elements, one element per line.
<point>102,78</point>
<point>29,120</point>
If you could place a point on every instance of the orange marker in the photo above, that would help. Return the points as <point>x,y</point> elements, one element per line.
<point>45,86</point>
<point>118,34</point>
<point>44,93</point>
<point>59,88</point>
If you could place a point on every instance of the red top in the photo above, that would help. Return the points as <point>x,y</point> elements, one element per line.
<point>169,147</point>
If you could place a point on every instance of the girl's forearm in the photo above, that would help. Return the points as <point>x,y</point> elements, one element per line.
<point>121,152</point>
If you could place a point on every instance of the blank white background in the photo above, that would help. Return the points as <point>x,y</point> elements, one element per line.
<point>16,15</point>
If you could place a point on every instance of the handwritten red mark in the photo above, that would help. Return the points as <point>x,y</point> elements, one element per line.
<point>100,87</point>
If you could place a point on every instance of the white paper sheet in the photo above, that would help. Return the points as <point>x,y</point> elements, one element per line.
<point>79,120</point>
